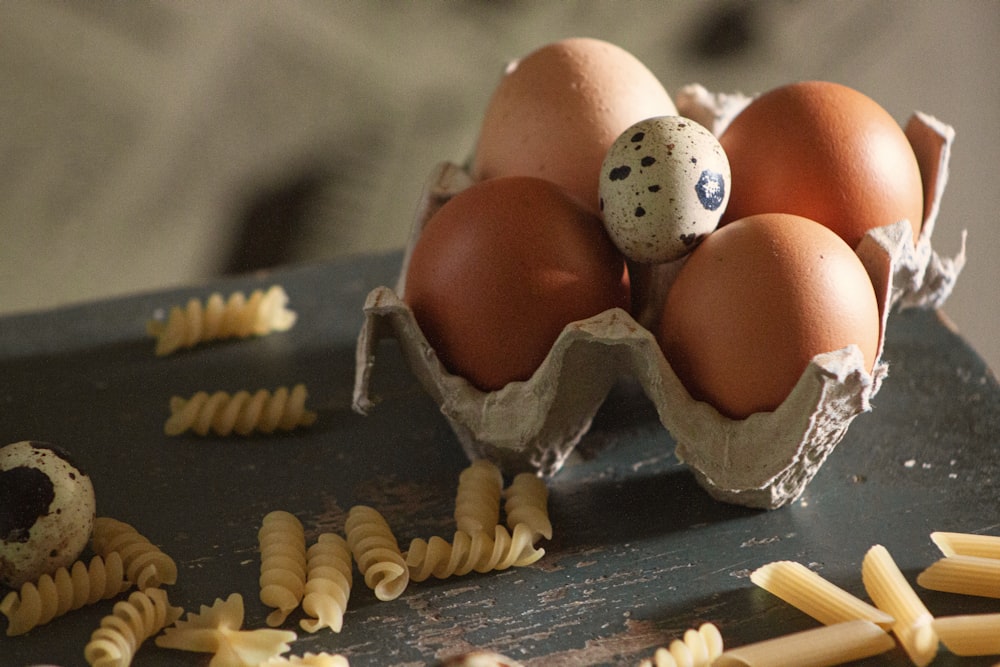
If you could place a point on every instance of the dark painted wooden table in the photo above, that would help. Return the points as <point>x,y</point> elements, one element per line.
<point>640,552</point>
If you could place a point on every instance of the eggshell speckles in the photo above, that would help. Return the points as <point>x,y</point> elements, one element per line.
<point>664,185</point>
<point>49,510</point>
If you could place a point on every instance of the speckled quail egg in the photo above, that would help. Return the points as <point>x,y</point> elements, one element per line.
<point>47,510</point>
<point>664,186</point>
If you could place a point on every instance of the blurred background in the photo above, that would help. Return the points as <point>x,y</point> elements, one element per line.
<point>150,144</point>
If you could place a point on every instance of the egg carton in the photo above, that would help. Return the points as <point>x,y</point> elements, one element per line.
<point>763,461</point>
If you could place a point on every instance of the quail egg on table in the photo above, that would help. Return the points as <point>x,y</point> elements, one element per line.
<point>664,186</point>
<point>47,510</point>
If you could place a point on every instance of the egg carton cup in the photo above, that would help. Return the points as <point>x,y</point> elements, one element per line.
<point>763,461</point>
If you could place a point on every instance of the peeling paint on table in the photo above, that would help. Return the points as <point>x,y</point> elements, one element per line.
<point>640,552</point>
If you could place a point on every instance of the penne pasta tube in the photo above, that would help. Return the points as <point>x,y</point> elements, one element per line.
<point>893,594</point>
<point>822,647</point>
<point>966,575</point>
<point>972,634</point>
<point>811,594</point>
<point>967,544</point>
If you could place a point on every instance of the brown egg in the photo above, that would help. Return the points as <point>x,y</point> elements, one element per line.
<point>501,268</point>
<point>755,302</point>
<point>556,112</point>
<point>825,152</point>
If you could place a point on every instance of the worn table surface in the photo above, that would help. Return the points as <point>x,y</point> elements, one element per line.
<point>640,552</point>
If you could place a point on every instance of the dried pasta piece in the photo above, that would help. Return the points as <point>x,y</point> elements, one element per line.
<point>376,552</point>
<point>309,660</point>
<point>441,558</point>
<point>892,594</point>
<point>478,552</point>
<point>145,564</point>
<point>526,503</point>
<point>514,548</point>
<point>328,583</point>
<point>480,658</point>
<point>967,544</point>
<point>970,634</point>
<point>820,647</point>
<point>811,594</point>
<point>217,319</point>
<point>65,590</point>
<point>698,648</point>
<point>477,503</point>
<point>242,413</point>
<point>218,630</point>
<point>966,575</point>
<point>130,623</point>
<point>282,564</point>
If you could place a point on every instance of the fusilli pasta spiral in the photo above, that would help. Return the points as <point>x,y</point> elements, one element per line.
<point>328,583</point>
<point>145,564</point>
<point>526,502</point>
<point>698,649</point>
<point>479,551</point>
<point>216,319</point>
<point>241,413</point>
<point>130,623</point>
<point>477,503</point>
<point>282,564</point>
<point>377,553</point>
<point>65,590</point>
<point>309,660</point>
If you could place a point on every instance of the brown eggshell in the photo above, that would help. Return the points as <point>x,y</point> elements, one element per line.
<point>501,268</point>
<point>556,112</point>
<point>826,152</point>
<point>756,301</point>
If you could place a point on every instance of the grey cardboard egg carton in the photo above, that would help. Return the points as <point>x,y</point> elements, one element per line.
<point>763,461</point>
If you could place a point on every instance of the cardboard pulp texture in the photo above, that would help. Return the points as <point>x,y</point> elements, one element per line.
<point>763,461</point>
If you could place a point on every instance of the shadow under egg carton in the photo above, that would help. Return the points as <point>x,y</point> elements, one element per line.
<point>763,461</point>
